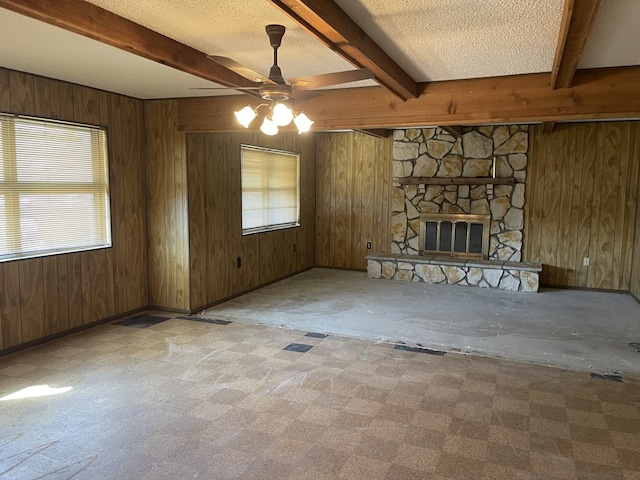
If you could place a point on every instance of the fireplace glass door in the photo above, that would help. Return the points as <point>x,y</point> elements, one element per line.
<point>459,235</point>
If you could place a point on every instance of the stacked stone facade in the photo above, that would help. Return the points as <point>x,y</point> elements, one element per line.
<point>432,152</point>
<point>511,276</point>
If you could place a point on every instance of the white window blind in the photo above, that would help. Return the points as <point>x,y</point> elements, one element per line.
<point>54,188</point>
<point>270,189</point>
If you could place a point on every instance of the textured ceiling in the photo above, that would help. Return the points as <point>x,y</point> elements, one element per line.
<point>430,39</point>
<point>614,40</point>
<point>453,39</point>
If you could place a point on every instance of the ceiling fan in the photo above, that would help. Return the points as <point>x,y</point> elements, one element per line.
<point>276,93</point>
<point>273,87</point>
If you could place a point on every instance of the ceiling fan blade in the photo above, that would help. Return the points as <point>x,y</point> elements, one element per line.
<point>327,79</point>
<point>224,88</point>
<point>240,69</point>
<point>300,95</point>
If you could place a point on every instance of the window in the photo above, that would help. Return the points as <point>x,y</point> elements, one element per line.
<point>270,189</point>
<point>54,188</point>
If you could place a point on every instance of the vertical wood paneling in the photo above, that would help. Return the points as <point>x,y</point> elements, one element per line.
<point>108,253</point>
<point>10,304</point>
<point>167,207</point>
<point>383,207</point>
<point>369,226</point>
<point>353,179</point>
<point>582,196</point>
<point>116,185</point>
<point>215,218</point>
<point>32,309</point>
<point>66,101</point>
<point>618,278</point>
<point>5,91</point>
<point>550,207</point>
<point>74,282</point>
<point>634,233</point>
<point>598,171</point>
<point>22,93</point>
<point>587,138</point>
<point>324,197</point>
<point>49,295</point>
<point>135,188</point>
<point>63,296</point>
<point>306,235</point>
<point>565,213</point>
<point>197,221</point>
<point>533,205</point>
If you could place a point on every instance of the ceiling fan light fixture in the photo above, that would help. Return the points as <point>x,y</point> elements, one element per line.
<point>245,116</point>
<point>269,127</point>
<point>303,122</point>
<point>281,114</point>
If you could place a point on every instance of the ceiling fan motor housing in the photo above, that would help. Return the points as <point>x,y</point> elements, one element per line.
<point>276,93</point>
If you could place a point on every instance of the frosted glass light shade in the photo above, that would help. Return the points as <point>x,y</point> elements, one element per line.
<point>268,127</point>
<point>245,116</point>
<point>281,114</point>
<point>303,123</point>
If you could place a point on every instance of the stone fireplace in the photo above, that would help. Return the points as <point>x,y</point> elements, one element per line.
<point>457,208</point>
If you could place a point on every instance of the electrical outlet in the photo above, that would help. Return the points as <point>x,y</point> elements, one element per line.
<point>585,261</point>
<point>239,262</point>
<point>368,245</point>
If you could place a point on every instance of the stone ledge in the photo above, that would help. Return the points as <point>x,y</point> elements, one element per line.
<point>511,276</point>
<point>456,262</point>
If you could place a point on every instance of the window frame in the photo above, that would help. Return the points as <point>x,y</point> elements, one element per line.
<point>11,187</point>
<point>266,190</point>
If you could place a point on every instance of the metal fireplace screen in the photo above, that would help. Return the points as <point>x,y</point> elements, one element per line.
<point>460,235</point>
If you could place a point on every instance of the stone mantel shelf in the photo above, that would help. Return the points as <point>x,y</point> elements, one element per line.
<point>456,181</point>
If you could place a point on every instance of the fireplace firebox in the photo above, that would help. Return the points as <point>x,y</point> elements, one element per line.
<point>458,235</point>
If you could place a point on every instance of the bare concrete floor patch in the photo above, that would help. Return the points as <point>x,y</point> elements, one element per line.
<point>568,328</point>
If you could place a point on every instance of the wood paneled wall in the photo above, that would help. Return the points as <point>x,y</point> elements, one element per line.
<point>635,269</point>
<point>353,188</point>
<point>215,224</point>
<point>45,296</point>
<point>582,195</point>
<point>167,207</point>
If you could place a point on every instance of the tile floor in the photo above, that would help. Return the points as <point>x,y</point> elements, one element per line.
<point>184,399</point>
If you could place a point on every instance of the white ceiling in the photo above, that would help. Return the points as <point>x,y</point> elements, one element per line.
<point>430,39</point>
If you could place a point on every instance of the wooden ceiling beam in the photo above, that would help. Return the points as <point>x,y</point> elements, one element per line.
<point>599,94</point>
<point>577,19</point>
<point>98,24</point>
<point>331,25</point>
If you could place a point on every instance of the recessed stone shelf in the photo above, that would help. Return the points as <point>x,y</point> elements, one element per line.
<point>448,270</point>
<point>456,181</point>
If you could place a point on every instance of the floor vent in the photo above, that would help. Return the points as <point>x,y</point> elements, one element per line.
<point>316,335</point>
<point>298,347</point>
<point>141,321</point>
<point>407,348</point>
<point>214,321</point>
<point>605,376</point>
